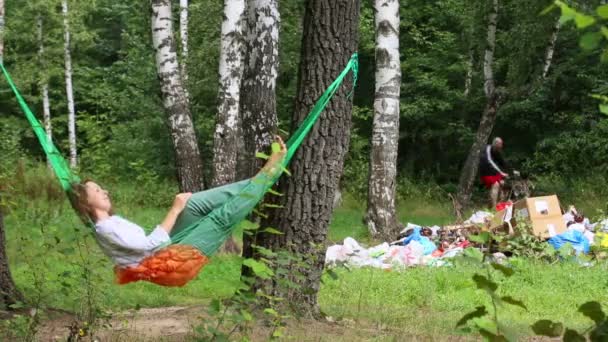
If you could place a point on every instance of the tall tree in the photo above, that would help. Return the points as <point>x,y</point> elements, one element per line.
<point>381,215</point>
<point>68,85</point>
<point>225,138</point>
<point>44,83</point>
<point>183,35</point>
<point>488,118</point>
<point>550,49</point>
<point>258,107</point>
<point>258,96</point>
<point>330,37</point>
<point>175,101</point>
<point>8,291</point>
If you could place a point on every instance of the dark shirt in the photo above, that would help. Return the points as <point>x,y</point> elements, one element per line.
<point>492,162</point>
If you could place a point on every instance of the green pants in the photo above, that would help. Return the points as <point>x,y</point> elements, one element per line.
<point>210,216</point>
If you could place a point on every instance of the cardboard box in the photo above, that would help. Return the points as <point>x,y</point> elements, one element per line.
<point>544,213</point>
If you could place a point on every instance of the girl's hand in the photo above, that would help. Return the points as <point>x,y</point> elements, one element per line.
<point>179,203</point>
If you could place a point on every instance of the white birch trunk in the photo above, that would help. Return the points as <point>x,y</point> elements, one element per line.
<point>258,97</point>
<point>550,49</point>
<point>488,73</point>
<point>68,86</point>
<point>46,107</point>
<point>469,77</point>
<point>225,138</point>
<point>183,35</point>
<point>175,101</point>
<point>381,215</point>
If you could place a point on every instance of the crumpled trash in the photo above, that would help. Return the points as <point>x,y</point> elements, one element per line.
<point>428,246</point>
<point>574,237</point>
<point>479,217</point>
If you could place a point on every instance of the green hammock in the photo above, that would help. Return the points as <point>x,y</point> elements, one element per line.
<point>209,233</point>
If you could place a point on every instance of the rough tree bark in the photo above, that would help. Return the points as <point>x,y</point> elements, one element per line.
<point>330,37</point>
<point>488,118</point>
<point>8,291</point>
<point>187,156</point>
<point>231,71</point>
<point>381,218</point>
<point>258,97</point>
<point>68,85</point>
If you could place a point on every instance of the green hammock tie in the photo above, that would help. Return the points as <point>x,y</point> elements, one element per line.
<point>209,233</point>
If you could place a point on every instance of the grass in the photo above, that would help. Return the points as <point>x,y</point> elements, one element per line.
<point>49,249</point>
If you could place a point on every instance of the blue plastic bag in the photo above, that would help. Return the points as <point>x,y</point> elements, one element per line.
<point>578,241</point>
<point>427,245</point>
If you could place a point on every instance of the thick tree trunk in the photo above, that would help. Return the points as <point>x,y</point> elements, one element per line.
<point>550,49</point>
<point>8,291</point>
<point>68,86</point>
<point>258,96</point>
<point>381,218</point>
<point>330,37</point>
<point>175,101</point>
<point>225,139</point>
<point>44,84</point>
<point>488,118</point>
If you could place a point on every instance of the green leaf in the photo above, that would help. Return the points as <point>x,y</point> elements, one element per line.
<point>602,11</point>
<point>548,9</point>
<point>590,40</point>
<point>259,269</point>
<point>276,148</point>
<point>484,283</point>
<point>483,237</point>
<point>275,192</point>
<point>567,12</point>
<point>271,312</point>
<point>593,310</point>
<point>573,336</point>
<point>474,254</point>
<point>604,30</point>
<point>487,325</point>
<point>246,315</point>
<point>604,108</point>
<point>261,155</point>
<point>506,271</point>
<point>582,21</point>
<point>272,231</point>
<point>270,205</point>
<point>513,301</point>
<point>545,327</point>
<point>480,311</point>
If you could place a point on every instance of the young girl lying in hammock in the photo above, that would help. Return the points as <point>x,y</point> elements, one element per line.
<point>138,256</point>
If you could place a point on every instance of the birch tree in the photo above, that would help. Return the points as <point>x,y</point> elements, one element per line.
<point>187,155</point>
<point>225,138</point>
<point>68,85</point>
<point>183,35</point>
<point>550,49</point>
<point>381,215</point>
<point>8,291</point>
<point>258,97</point>
<point>44,84</point>
<point>258,108</point>
<point>488,118</point>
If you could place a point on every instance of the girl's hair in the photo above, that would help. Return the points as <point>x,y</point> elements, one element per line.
<point>80,202</point>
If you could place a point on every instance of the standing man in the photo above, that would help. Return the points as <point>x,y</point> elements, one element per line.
<point>493,169</point>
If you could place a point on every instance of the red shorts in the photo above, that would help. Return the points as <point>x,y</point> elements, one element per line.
<point>488,181</point>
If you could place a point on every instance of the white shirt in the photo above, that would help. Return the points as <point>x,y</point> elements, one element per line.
<point>127,243</point>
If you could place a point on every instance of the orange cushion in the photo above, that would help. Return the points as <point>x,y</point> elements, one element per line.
<point>175,265</point>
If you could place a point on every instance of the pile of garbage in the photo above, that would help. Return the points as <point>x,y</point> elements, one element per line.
<point>435,246</point>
